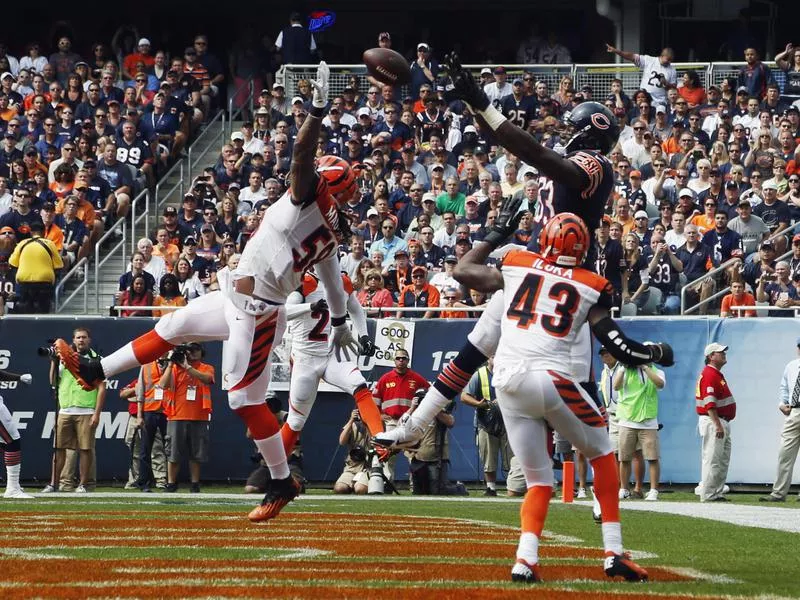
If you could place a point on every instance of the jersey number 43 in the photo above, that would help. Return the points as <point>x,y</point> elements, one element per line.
<point>523,306</point>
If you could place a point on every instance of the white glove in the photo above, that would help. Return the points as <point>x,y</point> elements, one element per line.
<point>343,338</point>
<point>320,85</point>
<point>26,378</point>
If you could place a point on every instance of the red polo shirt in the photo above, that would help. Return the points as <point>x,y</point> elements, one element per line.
<point>394,392</point>
<point>713,392</point>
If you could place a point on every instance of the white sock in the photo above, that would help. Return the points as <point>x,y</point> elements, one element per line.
<point>596,504</point>
<point>612,537</point>
<point>432,404</point>
<point>274,455</point>
<point>528,548</point>
<point>119,361</point>
<point>491,485</point>
<point>12,474</point>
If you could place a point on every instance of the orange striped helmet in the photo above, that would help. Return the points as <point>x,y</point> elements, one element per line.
<point>339,176</point>
<point>565,239</point>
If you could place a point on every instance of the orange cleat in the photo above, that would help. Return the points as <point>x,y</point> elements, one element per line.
<point>621,565</point>
<point>88,373</point>
<point>279,494</point>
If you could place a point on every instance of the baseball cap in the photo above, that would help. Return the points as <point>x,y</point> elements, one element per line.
<point>636,173</point>
<point>602,350</point>
<point>517,81</point>
<point>297,99</point>
<point>143,42</point>
<point>48,206</point>
<point>170,211</point>
<point>189,240</point>
<point>234,185</point>
<point>451,258</point>
<point>479,150</point>
<point>640,214</point>
<point>7,74</point>
<point>486,71</point>
<point>767,245</point>
<point>796,237</point>
<point>714,171</point>
<point>397,164</point>
<point>206,227</point>
<point>744,202</point>
<point>413,242</point>
<point>237,135</point>
<point>741,89</point>
<point>363,111</point>
<point>661,109</point>
<point>277,85</point>
<point>372,213</point>
<point>714,347</point>
<point>769,185</point>
<point>81,63</point>
<point>9,136</point>
<point>401,252</point>
<point>262,111</point>
<point>470,129</point>
<point>419,269</point>
<point>429,197</point>
<point>686,192</point>
<point>471,199</point>
<point>423,46</point>
<point>189,197</point>
<point>90,162</point>
<point>731,185</point>
<point>724,113</point>
<point>31,151</point>
<point>499,70</point>
<point>587,88</point>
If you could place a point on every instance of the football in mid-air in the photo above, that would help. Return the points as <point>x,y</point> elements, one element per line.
<point>387,66</point>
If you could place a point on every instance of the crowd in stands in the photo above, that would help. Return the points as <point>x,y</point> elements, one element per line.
<point>81,138</point>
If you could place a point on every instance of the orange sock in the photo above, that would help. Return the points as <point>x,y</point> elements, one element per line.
<point>150,346</point>
<point>606,487</point>
<point>289,437</point>
<point>534,508</point>
<point>369,410</point>
<point>259,420</point>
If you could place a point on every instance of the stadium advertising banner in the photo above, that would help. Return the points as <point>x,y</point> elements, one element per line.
<point>759,350</point>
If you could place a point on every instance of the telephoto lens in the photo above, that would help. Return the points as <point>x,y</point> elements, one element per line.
<point>47,352</point>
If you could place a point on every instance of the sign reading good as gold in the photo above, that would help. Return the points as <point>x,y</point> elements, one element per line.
<point>390,336</point>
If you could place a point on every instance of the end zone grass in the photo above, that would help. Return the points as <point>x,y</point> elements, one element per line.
<point>331,547</point>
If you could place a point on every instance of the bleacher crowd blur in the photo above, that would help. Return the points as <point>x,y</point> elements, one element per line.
<point>706,177</point>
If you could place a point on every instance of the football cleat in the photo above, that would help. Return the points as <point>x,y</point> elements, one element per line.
<point>524,572</point>
<point>88,372</point>
<point>406,436</point>
<point>17,494</point>
<point>621,565</point>
<point>383,453</point>
<point>279,494</point>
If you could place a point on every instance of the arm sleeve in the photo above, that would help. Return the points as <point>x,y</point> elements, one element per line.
<point>357,314</point>
<point>294,311</point>
<point>624,349</point>
<point>331,278</point>
<point>8,376</point>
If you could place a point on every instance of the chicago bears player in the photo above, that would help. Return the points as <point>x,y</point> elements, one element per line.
<point>547,297</point>
<point>579,182</point>
<point>298,232</point>
<point>10,444</point>
<point>313,360</point>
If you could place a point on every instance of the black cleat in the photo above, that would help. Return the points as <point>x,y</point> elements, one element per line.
<point>621,565</point>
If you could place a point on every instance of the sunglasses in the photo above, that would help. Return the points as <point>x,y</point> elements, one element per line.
<point>418,276</point>
<point>401,358</point>
<point>638,128</point>
<point>8,233</point>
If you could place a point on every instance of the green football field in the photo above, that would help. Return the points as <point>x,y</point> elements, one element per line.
<point>157,545</point>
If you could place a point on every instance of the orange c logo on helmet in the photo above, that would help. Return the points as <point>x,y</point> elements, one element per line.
<point>600,121</point>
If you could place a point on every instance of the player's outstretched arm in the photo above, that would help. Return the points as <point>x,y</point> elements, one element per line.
<point>301,172</point>
<point>9,376</point>
<point>627,351</point>
<point>511,137</point>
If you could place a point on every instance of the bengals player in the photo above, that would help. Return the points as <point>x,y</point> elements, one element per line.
<point>299,231</point>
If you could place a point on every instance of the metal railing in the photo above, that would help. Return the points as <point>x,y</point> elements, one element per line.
<point>762,309</point>
<point>598,75</point>
<point>193,155</point>
<point>142,216</point>
<point>161,198</point>
<point>83,286</point>
<point>234,113</point>
<point>98,262</point>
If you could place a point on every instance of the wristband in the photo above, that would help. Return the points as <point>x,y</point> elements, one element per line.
<point>316,111</point>
<point>493,117</point>
<point>336,321</point>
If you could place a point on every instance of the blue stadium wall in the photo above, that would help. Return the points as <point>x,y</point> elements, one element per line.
<point>759,350</point>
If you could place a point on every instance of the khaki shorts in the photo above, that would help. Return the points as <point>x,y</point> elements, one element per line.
<point>352,475</point>
<point>630,438</point>
<point>516,478</point>
<point>74,432</point>
<point>488,447</point>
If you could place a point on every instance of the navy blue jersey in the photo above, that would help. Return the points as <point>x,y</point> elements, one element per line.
<point>609,262</point>
<point>664,276</point>
<point>722,245</point>
<point>519,113</point>
<point>588,201</point>
<point>136,154</point>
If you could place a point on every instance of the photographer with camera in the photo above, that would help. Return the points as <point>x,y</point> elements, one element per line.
<point>355,476</point>
<point>151,398</point>
<point>490,431</point>
<point>186,384</point>
<point>78,416</point>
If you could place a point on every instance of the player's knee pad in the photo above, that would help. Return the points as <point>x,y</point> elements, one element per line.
<point>538,474</point>
<point>296,420</point>
<point>12,446</point>
<point>238,399</point>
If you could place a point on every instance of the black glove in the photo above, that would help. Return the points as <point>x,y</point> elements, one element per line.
<point>418,396</point>
<point>506,223</point>
<point>464,86</point>
<point>319,306</point>
<point>368,347</point>
<point>662,354</point>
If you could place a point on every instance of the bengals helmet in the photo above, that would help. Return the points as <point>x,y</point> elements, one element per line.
<point>339,176</point>
<point>565,240</point>
<point>594,126</point>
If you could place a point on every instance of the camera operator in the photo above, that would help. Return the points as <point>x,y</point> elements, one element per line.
<point>355,477</point>
<point>152,423</point>
<point>188,412</point>
<point>78,417</point>
<point>429,463</point>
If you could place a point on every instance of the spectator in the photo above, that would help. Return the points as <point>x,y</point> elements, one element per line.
<point>499,88</point>
<point>754,76</point>
<point>791,87</point>
<point>389,244</point>
<point>155,265</point>
<point>350,261</point>
<point>118,177</point>
<point>189,283</point>
<point>737,297</point>
<point>444,279</point>
<point>721,240</point>
<point>295,43</point>
<point>637,417</point>
<point>691,90</point>
<point>424,69</point>
<point>789,406</point>
<point>658,74</point>
<point>752,230</point>
<point>169,295</point>
<point>635,280</point>
<point>64,60</point>
<point>490,433</point>
<point>78,416</point>
<point>373,296</point>
<point>419,294</point>
<point>696,259</point>
<point>445,238</point>
<point>37,260</point>
<point>188,380</point>
<point>716,408</point>
<point>398,275</point>
<point>664,267</point>
<point>779,290</point>
<point>137,294</point>
<point>774,214</point>
<point>355,437</point>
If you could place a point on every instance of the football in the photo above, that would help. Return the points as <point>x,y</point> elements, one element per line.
<point>387,66</point>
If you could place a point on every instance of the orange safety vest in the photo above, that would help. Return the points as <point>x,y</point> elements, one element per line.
<point>151,375</point>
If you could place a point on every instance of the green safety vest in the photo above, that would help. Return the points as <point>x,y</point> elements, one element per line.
<point>70,392</point>
<point>638,398</point>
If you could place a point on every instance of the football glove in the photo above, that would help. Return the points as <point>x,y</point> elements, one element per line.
<point>319,306</point>
<point>343,338</point>
<point>662,354</point>
<point>26,378</point>
<point>320,85</point>
<point>506,223</point>
<point>368,347</point>
<point>464,86</point>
